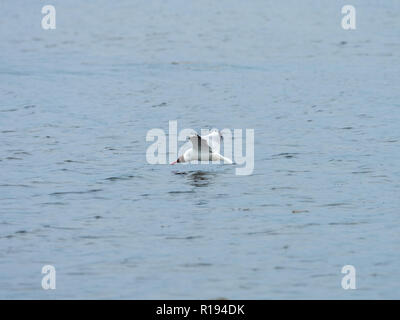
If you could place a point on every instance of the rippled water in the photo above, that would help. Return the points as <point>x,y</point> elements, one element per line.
<point>76,191</point>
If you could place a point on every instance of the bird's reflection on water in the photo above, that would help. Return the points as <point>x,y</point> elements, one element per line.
<point>198,178</point>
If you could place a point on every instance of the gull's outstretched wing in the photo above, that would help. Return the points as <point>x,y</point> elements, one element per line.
<point>200,144</point>
<point>214,139</point>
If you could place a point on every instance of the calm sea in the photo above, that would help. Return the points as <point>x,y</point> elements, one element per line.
<point>77,193</point>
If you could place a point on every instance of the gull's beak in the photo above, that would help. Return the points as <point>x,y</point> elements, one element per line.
<point>174,162</point>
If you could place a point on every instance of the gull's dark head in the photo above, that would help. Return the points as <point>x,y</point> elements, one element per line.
<point>179,160</point>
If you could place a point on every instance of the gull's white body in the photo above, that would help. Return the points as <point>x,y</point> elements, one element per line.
<point>205,148</point>
<point>191,155</point>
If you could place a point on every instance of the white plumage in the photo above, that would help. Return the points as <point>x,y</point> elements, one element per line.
<point>205,148</point>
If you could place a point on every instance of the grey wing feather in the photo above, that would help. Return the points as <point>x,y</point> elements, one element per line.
<point>200,144</point>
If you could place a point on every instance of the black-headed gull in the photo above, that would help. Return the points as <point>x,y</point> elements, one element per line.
<point>205,148</point>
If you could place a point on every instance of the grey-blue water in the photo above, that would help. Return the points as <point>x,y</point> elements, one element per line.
<point>77,193</point>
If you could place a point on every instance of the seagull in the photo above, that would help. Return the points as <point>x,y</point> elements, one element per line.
<point>204,148</point>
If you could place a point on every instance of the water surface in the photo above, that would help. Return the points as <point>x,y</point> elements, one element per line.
<point>76,191</point>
